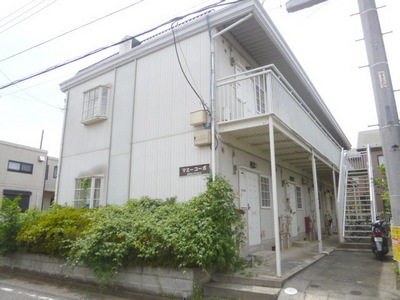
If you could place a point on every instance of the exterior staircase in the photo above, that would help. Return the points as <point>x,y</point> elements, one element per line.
<point>359,204</point>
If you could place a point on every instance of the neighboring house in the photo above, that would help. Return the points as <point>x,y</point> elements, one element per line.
<point>27,172</point>
<point>372,139</point>
<point>134,127</point>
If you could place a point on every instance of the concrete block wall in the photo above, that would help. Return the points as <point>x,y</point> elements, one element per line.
<point>158,281</point>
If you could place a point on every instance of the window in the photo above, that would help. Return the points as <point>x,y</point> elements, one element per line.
<point>55,172</point>
<point>299,201</point>
<point>381,160</point>
<point>260,98</point>
<point>265,192</point>
<point>95,105</point>
<point>16,166</point>
<point>87,192</point>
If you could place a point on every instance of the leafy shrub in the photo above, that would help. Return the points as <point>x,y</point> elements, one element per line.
<point>202,232</point>
<point>10,224</point>
<point>52,232</point>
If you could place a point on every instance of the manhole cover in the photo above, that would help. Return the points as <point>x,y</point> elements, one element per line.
<point>358,293</point>
<point>290,291</point>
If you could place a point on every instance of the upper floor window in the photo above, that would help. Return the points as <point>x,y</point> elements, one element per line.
<point>95,105</point>
<point>87,192</point>
<point>17,166</point>
<point>260,99</point>
<point>265,192</point>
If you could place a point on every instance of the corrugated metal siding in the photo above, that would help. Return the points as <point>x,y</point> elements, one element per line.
<point>119,168</point>
<point>162,134</point>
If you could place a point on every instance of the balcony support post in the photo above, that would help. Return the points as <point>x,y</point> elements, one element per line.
<point>315,181</point>
<point>275,197</point>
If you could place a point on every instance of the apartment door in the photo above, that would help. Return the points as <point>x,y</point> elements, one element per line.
<point>250,197</point>
<point>293,210</point>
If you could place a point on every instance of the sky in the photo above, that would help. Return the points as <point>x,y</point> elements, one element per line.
<point>323,39</point>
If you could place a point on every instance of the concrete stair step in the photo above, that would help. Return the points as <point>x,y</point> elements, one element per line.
<point>240,291</point>
<point>358,245</point>
<point>235,279</point>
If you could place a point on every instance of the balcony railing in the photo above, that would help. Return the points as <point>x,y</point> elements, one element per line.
<point>263,91</point>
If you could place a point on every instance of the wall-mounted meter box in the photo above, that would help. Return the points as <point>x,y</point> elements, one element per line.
<point>198,118</point>
<point>202,137</point>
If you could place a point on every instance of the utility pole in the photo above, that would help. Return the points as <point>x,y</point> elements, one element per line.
<point>384,100</point>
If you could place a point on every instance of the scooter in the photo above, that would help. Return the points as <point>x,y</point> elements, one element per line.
<point>379,239</point>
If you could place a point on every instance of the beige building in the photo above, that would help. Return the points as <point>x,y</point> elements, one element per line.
<point>28,172</point>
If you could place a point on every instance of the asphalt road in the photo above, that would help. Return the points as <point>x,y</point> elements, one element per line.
<point>19,286</point>
<point>344,275</point>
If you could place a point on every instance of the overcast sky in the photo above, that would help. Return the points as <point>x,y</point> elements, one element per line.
<point>322,38</point>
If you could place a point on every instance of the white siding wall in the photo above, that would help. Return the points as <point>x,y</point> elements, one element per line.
<point>162,134</point>
<point>119,173</point>
<point>85,147</point>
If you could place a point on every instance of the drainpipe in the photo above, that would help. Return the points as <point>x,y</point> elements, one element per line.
<point>315,181</point>
<point>213,34</point>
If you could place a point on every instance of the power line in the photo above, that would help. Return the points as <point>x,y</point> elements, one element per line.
<point>72,30</point>
<point>37,99</point>
<point>173,20</point>
<point>28,16</point>
<point>6,17</point>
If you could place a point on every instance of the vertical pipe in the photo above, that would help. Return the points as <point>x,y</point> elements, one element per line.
<point>315,180</point>
<point>212,104</point>
<point>275,197</point>
<point>340,200</point>
<point>334,194</point>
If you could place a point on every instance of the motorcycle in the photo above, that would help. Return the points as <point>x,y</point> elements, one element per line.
<point>379,239</point>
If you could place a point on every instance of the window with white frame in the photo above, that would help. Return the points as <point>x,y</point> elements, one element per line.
<point>381,160</point>
<point>87,192</point>
<point>265,192</point>
<point>95,105</point>
<point>299,200</point>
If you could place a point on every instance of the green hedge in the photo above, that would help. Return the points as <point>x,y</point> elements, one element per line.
<point>202,232</point>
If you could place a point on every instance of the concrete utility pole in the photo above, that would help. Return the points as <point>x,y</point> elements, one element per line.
<point>384,100</point>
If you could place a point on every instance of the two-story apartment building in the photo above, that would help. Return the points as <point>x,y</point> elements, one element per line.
<point>29,173</point>
<point>135,127</point>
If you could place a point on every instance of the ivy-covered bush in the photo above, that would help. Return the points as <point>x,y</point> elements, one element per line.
<point>52,232</point>
<point>203,232</point>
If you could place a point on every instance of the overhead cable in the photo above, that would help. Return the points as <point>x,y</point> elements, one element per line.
<point>70,31</point>
<point>14,12</point>
<point>31,15</point>
<point>220,3</point>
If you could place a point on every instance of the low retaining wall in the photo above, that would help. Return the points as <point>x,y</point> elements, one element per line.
<point>158,281</point>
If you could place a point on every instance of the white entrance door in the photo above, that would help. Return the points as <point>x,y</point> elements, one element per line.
<point>293,207</point>
<point>249,191</point>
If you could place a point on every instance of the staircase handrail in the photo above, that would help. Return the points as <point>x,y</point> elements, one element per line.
<point>371,183</point>
<point>341,196</point>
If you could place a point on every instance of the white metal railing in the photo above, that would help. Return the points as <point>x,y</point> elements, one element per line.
<point>264,90</point>
<point>357,161</point>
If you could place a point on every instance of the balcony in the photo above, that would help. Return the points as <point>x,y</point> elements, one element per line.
<point>246,100</point>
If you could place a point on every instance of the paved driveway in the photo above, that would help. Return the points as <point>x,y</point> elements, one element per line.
<point>344,275</point>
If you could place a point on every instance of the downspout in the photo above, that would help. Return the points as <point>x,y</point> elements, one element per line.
<point>315,181</point>
<point>61,150</point>
<point>213,34</point>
